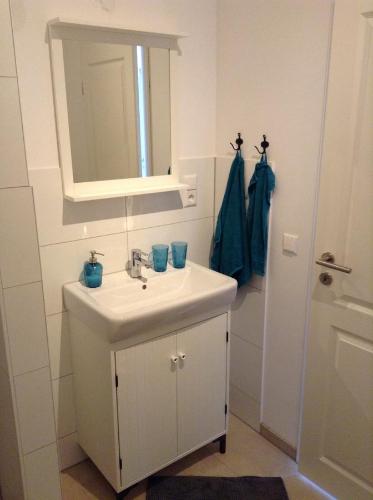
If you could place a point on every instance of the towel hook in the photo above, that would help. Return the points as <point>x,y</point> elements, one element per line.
<point>265,146</point>
<point>239,143</point>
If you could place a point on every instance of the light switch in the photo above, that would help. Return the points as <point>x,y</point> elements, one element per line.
<point>290,243</point>
<point>190,179</point>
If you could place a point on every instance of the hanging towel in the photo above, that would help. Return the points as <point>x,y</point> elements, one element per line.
<point>230,248</point>
<point>261,185</point>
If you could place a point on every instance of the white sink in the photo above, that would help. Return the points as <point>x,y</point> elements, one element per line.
<point>124,306</point>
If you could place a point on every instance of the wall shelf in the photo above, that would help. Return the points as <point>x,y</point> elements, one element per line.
<point>121,193</point>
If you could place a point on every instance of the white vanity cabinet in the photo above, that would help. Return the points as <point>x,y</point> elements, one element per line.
<point>144,406</point>
<point>171,396</point>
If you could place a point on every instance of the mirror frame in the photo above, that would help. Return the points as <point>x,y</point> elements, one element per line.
<point>62,29</point>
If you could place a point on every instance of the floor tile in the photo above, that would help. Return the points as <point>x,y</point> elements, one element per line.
<point>247,454</point>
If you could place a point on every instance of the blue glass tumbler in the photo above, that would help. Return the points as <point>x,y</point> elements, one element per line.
<point>179,252</point>
<point>160,257</point>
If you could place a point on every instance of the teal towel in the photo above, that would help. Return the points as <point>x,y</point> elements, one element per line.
<point>261,185</point>
<point>230,248</point>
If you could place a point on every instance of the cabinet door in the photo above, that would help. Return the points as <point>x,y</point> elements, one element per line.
<point>201,383</point>
<point>146,407</point>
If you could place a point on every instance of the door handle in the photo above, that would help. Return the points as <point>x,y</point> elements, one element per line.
<point>327,259</point>
<point>182,356</point>
<point>174,359</point>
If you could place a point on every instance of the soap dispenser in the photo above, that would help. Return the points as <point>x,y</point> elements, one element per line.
<point>93,271</point>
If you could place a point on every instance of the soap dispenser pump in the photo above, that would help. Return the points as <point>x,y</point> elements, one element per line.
<point>93,271</point>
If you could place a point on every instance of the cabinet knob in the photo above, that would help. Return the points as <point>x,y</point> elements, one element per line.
<point>174,359</point>
<point>182,356</point>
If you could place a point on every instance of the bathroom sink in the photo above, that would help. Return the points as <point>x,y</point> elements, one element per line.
<point>124,306</point>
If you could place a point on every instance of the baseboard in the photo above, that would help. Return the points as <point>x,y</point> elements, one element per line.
<point>278,442</point>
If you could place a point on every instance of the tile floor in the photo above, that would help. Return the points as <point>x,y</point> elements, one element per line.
<point>247,454</point>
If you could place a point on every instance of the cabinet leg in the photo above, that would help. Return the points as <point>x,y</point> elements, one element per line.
<point>223,444</point>
<point>123,494</point>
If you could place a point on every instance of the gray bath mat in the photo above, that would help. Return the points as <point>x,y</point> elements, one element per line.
<point>215,488</point>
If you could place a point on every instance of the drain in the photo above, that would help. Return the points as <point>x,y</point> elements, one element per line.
<point>144,287</point>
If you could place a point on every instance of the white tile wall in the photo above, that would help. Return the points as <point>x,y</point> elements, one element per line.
<point>247,320</point>
<point>7,62</point>
<point>27,334</point>
<point>3,341</point>
<point>166,208</point>
<point>26,416</point>
<point>63,397</point>
<point>59,345</point>
<point>63,263</point>
<point>42,474</point>
<point>10,465</point>
<point>69,451</point>
<point>19,251</point>
<point>244,407</point>
<point>67,231</point>
<point>246,367</point>
<point>35,409</point>
<point>198,234</point>
<point>64,220</point>
<point>13,170</point>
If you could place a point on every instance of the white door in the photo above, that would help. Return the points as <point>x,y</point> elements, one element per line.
<point>201,384</point>
<point>337,429</point>
<point>108,88</point>
<point>147,407</point>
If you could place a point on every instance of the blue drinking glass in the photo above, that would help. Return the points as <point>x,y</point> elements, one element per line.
<point>179,252</point>
<point>160,257</point>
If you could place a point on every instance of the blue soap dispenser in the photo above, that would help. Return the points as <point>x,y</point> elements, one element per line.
<point>93,271</point>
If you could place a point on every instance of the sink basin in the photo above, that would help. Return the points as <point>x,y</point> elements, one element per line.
<point>123,306</point>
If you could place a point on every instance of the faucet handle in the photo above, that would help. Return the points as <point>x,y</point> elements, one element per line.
<point>135,254</point>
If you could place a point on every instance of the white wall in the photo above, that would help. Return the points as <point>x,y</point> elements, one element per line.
<point>67,231</point>
<point>272,58</point>
<point>27,426</point>
<point>271,73</point>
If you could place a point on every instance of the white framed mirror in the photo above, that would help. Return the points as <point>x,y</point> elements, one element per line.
<point>112,98</point>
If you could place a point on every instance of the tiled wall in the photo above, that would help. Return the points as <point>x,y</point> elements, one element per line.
<point>247,324</point>
<point>67,231</point>
<point>27,426</point>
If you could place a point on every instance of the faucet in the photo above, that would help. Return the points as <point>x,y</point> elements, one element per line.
<point>137,260</point>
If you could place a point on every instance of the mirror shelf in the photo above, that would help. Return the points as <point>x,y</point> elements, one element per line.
<point>128,187</point>
<point>92,169</point>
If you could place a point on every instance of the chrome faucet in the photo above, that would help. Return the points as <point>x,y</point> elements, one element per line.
<point>138,259</point>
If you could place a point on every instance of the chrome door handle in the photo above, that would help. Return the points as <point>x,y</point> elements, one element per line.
<point>327,260</point>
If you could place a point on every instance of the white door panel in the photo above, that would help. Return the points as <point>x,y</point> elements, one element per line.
<point>201,382</point>
<point>337,428</point>
<point>147,407</point>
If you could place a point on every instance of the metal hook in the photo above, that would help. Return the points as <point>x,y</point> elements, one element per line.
<point>239,143</point>
<point>264,144</point>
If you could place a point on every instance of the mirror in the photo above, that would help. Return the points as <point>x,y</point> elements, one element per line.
<point>118,108</point>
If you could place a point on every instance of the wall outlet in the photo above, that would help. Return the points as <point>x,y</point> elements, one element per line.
<point>189,197</point>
